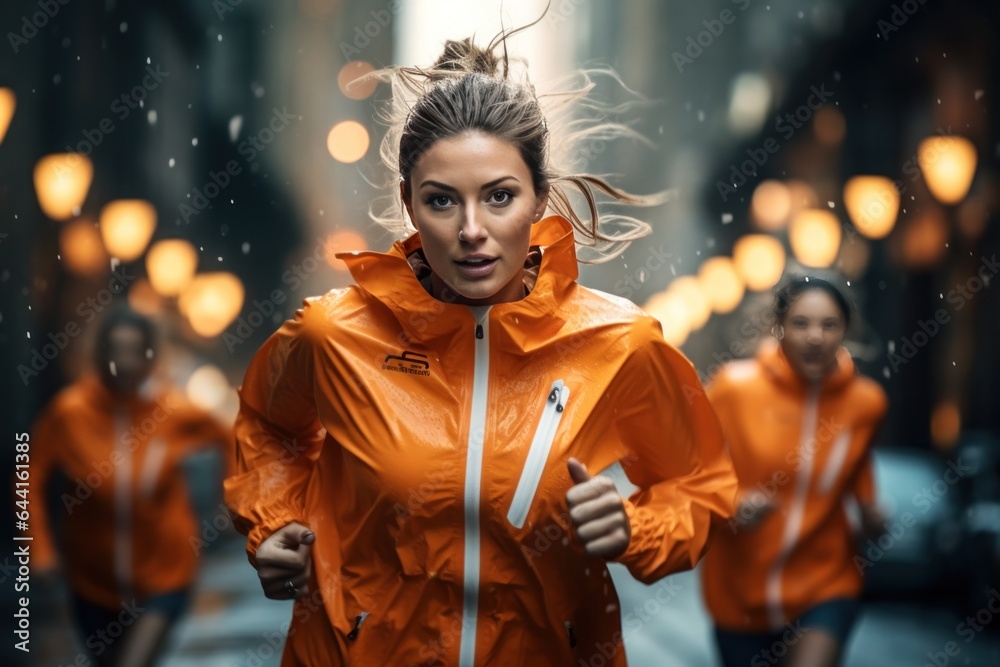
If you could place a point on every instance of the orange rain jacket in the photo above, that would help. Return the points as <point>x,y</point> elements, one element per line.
<point>426,444</point>
<point>806,448</point>
<point>126,516</point>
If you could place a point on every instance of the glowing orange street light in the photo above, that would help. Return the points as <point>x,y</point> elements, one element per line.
<point>81,249</point>
<point>759,259</point>
<point>211,302</point>
<point>61,183</point>
<point>721,284</point>
<point>668,308</point>
<point>770,205</point>
<point>126,227</point>
<point>815,237</point>
<point>872,203</point>
<point>170,265</point>
<point>949,164</point>
<point>8,103</point>
<point>347,141</point>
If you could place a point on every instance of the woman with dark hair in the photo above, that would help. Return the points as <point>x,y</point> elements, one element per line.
<point>781,584</point>
<point>127,524</point>
<point>415,450</point>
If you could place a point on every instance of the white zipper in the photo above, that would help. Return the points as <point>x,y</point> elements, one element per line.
<point>473,487</point>
<point>152,462</point>
<point>538,454</point>
<point>834,464</point>
<point>793,525</point>
<point>123,508</point>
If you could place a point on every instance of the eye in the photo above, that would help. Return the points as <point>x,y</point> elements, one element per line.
<point>438,202</point>
<point>799,324</point>
<point>501,198</point>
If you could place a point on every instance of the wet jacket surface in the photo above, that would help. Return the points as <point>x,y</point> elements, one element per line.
<point>125,509</point>
<point>426,444</point>
<point>806,448</point>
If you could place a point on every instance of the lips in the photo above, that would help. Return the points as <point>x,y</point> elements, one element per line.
<point>477,267</point>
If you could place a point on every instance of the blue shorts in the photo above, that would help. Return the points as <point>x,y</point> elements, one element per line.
<point>738,649</point>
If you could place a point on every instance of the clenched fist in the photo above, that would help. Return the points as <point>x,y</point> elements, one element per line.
<point>597,511</point>
<point>284,562</point>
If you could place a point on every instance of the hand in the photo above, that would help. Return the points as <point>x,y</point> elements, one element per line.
<point>753,508</point>
<point>598,513</point>
<point>286,556</point>
<point>872,521</point>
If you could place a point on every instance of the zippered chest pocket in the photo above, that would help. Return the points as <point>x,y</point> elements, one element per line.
<point>538,453</point>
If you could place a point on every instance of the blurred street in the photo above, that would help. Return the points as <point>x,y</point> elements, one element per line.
<point>231,622</point>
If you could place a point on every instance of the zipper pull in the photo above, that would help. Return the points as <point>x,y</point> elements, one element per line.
<point>555,396</point>
<point>479,331</point>
<point>358,620</point>
<point>572,635</point>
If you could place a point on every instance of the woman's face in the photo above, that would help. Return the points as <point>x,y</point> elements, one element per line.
<point>814,330</point>
<point>473,201</point>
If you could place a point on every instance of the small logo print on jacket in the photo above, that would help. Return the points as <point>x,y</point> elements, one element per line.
<point>413,363</point>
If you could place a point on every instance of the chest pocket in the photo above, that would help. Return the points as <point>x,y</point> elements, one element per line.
<point>538,453</point>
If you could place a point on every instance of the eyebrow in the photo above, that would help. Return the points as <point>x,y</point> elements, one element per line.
<point>485,186</point>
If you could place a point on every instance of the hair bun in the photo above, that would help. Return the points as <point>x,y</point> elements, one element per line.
<point>463,56</point>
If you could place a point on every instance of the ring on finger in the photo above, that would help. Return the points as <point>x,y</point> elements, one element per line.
<point>290,587</point>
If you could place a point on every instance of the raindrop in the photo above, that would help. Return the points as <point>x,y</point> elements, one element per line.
<point>113,368</point>
<point>246,248</point>
<point>123,27</point>
<point>881,284</point>
<point>831,204</point>
<point>727,218</point>
<point>220,258</point>
<point>885,371</point>
<point>148,61</point>
<point>29,335</point>
<point>220,36</point>
<point>235,123</point>
<point>149,353</point>
<point>56,79</point>
<point>979,94</point>
<point>892,346</point>
<point>151,116</point>
<point>701,116</point>
<point>171,162</point>
<point>801,15</point>
<point>194,141</point>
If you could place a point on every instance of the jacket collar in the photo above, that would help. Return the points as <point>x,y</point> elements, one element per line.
<point>776,364</point>
<point>389,278</point>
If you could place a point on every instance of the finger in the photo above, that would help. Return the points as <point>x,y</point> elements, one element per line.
<point>577,471</point>
<point>608,546</point>
<point>581,506</point>
<point>597,509</point>
<point>282,559</point>
<point>595,487</point>
<point>601,527</point>
<point>294,535</point>
<point>278,590</point>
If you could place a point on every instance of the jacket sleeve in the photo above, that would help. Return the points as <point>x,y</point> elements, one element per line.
<point>46,443</point>
<point>278,434</point>
<point>863,486</point>
<point>685,476</point>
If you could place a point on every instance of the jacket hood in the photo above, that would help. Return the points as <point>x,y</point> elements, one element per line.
<point>772,358</point>
<point>392,278</point>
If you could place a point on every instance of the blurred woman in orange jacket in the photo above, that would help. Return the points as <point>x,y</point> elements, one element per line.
<point>781,584</point>
<point>415,450</point>
<point>128,524</point>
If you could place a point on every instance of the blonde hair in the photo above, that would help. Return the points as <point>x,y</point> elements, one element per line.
<point>475,89</point>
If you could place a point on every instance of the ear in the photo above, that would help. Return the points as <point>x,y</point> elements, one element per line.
<point>404,196</point>
<point>541,203</point>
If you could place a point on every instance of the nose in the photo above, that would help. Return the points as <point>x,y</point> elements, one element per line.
<point>815,335</point>
<point>471,230</point>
